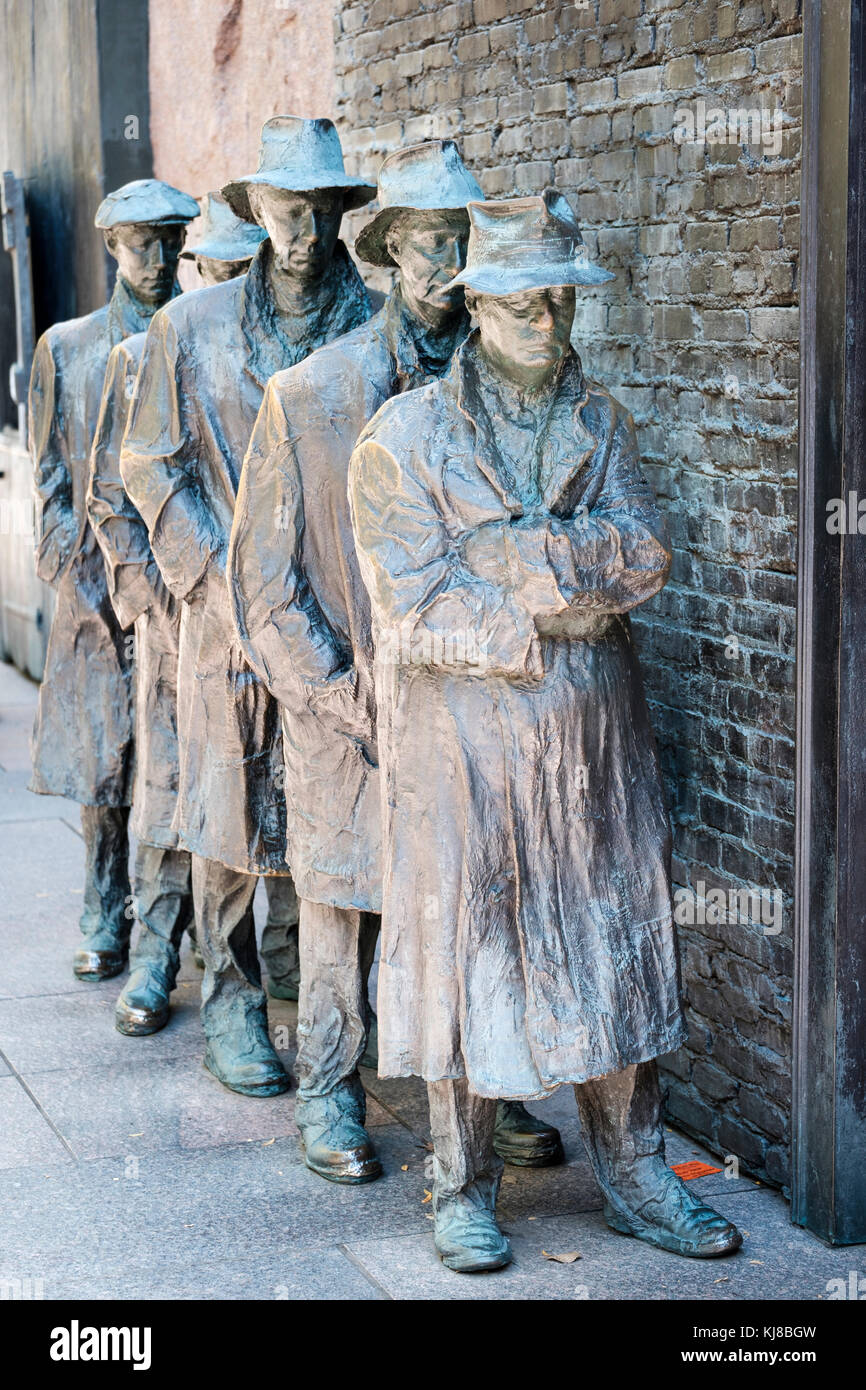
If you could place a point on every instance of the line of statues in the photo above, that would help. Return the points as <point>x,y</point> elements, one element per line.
<point>342,602</point>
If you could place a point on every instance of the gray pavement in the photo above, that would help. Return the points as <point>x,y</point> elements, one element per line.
<point>127,1171</point>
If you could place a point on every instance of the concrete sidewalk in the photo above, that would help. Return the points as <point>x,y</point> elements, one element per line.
<point>126,1171</point>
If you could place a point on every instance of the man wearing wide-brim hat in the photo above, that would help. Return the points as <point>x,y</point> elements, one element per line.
<point>205,366</point>
<point>83,736</point>
<point>303,617</point>
<point>504,531</point>
<point>225,244</point>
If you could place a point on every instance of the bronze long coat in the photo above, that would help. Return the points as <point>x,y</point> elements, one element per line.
<point>206,362</point>
<point>140,600</point>
<point>301,609</point>
<point>527,929</point>
<point>83,734</point>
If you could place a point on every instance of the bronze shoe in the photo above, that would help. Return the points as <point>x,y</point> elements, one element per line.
<point>102,956</point>
<point>675,1220</point>
<point>249,1066</point>
<point>522,1140</point>
<point>468,1239</point>
<point>336,1145</point>
<point>143,1006</point>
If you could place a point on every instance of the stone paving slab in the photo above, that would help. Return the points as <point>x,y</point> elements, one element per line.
<point>26,1137</point>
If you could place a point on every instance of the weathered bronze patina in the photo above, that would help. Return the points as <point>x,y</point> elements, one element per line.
<point>83,737</point>
<point>162,887</point>
<point>226,243</point>
<point>504,531</point>
<point>206,363</point>
<point>304,622</point>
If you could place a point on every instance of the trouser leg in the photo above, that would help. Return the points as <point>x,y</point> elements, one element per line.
<point>621,1116</point>
<point>107,898</point>
<point>163,904</point>
<point>466,1177</point>
<point>107,917</point>
<point>233,1008</point>
<point>336,948</point>
<point>336,952</point>
<point>280,937</point>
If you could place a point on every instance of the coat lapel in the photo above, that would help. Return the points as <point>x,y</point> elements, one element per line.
<point>568,443</point>
<point>488,460</point>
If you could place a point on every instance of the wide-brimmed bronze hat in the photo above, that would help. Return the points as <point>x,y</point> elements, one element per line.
<point>519,244</point>
<point>429,177</point>
<point>301,156</point>
<point>145,200</point>
<point>223,236</point>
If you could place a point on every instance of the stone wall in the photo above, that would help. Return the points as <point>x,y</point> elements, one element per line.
<point>219,69</point>
<point>699,335</point>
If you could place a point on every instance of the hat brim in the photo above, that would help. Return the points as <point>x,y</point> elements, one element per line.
<point>222,250</point>
<point>355,191</point>
<point>370,243</point>
<point>503,280</point>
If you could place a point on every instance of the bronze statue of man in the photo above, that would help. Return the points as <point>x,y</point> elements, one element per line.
<point>226,243</point>
<point>162,892</point>
<point>206,363</point>
<point>83,736</point>
<point>504,531</point>
<point>303,618</point>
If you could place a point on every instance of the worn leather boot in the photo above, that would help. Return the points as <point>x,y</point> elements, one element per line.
<point>143,1006</point>
<point>244,1060</point>
<point>102,955</point>
<point>465,1232</point>
<point>522,1140</point>
<point>283,965</point>
<point>336,1144</point>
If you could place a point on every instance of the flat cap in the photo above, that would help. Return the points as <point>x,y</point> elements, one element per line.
<point>145,200</point>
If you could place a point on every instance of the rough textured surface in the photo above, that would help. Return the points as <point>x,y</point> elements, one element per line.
<point>218,70</point>
<point>121,1133</point>
<point>699,337</point>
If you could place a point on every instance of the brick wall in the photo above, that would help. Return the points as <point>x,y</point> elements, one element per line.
<point>698,335</point>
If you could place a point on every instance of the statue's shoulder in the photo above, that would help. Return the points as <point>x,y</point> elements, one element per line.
<point>405,421</point>
<point>74,336</point>
<point>203,307</point>
<point>603,407</point>
<point>346,365</point>
<point>129,350</point>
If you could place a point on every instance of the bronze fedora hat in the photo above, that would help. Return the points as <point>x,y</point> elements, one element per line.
<point>223,236</point>
<point>519,244</point>
<point>145,200</point>
<point>428,177</point>
<point>301,156</point>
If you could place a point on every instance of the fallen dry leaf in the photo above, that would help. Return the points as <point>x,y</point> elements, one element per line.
<point>723,1280</point>
<point>428,1197</point>
<point>135,1136</point>
<point>567,1259</point>
<point>404,1167</point>
<point>266,1142</point>
<point>756,1262</point>
<point>532,1218</point>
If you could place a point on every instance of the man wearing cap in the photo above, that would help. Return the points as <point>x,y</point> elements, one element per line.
<point>504,530</point>
<point>83,735</point>
<point>206,363</point>
<point>226,243</point>
<point>163,891</point>
<point>304,621</point>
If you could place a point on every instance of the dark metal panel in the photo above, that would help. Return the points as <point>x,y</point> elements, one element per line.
<point>829,1101</point>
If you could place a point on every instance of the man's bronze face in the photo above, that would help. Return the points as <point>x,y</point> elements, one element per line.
<point>525,335</point>
<point>430,249</point>
<point>303,228</point>
<point>147,255</point>
<point>214,272</point>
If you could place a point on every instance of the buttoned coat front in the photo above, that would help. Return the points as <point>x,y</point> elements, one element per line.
<point>141,602</point>
<point>206,362</point>
<point>527,932</point>
<point>301,609</point>
<point>83,734</point>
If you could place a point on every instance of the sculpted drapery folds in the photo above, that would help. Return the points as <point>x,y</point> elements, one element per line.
<point>525,831</point>
<point>204,370</point>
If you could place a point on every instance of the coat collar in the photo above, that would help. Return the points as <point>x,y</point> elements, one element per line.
<point>414,363</point>
<point>270,348</point>
<point>567,444</point>
<point>127,314</point>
